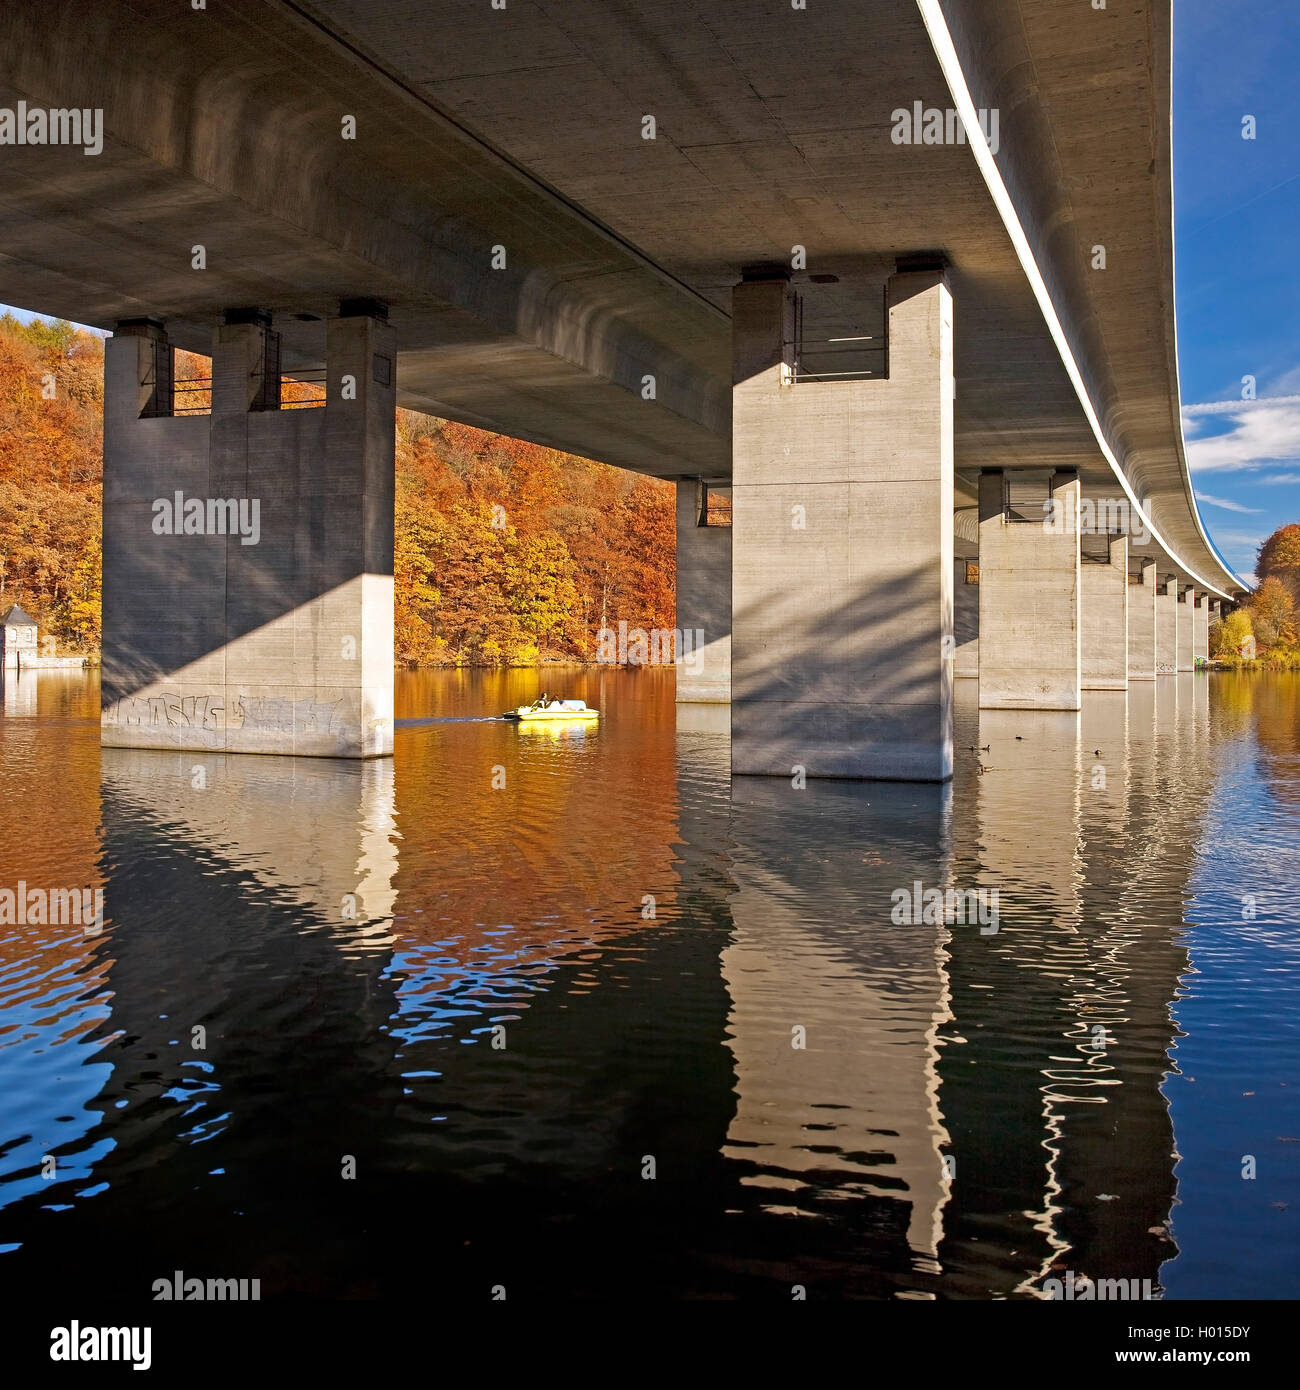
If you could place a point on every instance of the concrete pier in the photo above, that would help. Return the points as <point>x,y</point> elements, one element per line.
<point>1142,623</point>
<point>1104,619</point>
<point>842,652</point>
<point>248,554</point>
<point>1201,630</point>
<point>703,598</point>
<point>1030,633</point>
<point>1167,615</point>
<point>1186,624</point>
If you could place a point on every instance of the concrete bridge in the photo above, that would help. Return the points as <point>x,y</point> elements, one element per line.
<point>896,275</point>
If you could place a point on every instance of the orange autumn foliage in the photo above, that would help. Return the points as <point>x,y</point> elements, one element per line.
<point>506,553</point>
<point>51,449</point>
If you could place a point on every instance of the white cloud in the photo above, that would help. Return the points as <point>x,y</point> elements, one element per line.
<point>1232,407</point>
<point>1260,432</point>
<point>1225,503</point>
<point>1240,538</point>
<point>1280,478</point>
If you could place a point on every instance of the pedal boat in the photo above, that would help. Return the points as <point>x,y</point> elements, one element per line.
<point>552,710</point>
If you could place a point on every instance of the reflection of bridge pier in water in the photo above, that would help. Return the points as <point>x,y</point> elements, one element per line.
<point>1073,820</point>
<point>245,1044</point>
<point>845,1130</point>
<point>1114,1161</point>
<point>317,831</point>
<point>1020,835</point>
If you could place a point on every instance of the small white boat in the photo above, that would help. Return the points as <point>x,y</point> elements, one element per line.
<point>547,709</point>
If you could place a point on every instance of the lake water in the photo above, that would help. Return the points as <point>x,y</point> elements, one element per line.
<point>568,1012</point>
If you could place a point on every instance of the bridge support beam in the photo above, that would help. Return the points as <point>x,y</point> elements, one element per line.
<point>1167,615</point>
<point>703,598</point>
<point>1186,629</point>
<point>842,653</point>
<point>1030,587</point>
<point>1142,623</point>
<point>248,554</point>
<point>1201,630</point>
<point>1104,618</point>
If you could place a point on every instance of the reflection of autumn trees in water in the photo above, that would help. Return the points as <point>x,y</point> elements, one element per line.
<point>1275,701</point>
<point>51,835</point>
<point>555,859</point>
<point>1234,700</point>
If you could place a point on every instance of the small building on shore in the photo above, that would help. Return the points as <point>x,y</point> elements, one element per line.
<point>18,646</point>
<point>17,637</point>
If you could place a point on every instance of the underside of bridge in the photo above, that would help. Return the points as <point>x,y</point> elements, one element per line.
<point>898,274</point>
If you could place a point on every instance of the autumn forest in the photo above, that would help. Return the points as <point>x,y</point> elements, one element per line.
<point>506,553</point>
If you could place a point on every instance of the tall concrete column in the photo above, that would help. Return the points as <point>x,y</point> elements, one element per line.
<point>1142,624</point>
<point>1186,625</point>
<point>248,554</point>
<point>1201,630</point>
<point>1030,585</point>
<point>703,599</point>
<point>842,661</point>
<point>1104,619</point>
<point>1167,628</point>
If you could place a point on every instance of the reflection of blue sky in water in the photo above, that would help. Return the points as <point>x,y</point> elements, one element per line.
<point>51,1077</point>
<point>1239,1012</point>
<point>442,997</point>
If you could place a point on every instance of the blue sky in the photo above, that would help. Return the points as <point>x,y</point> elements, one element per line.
<point>1236,238</point>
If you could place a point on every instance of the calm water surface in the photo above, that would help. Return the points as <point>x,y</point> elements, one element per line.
<point>541,991</point>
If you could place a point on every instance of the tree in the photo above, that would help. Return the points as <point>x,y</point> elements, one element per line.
<point>1279,558</point>
<point>513,552</point>
<point>1272,612</point>
<point>51,431</point>
<point>1232,632</point>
